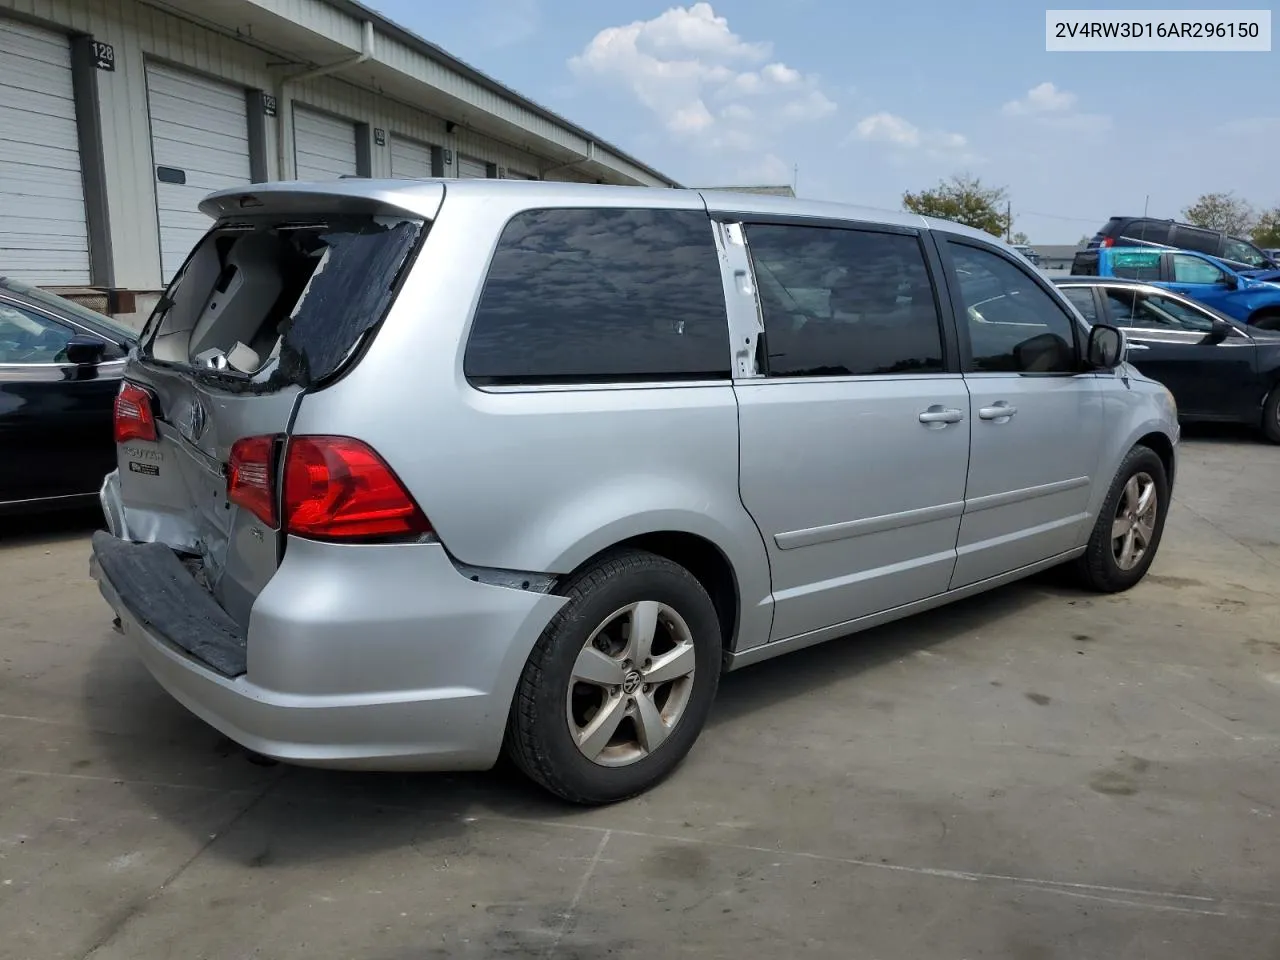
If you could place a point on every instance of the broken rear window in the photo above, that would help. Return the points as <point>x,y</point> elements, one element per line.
<point>264,303</point>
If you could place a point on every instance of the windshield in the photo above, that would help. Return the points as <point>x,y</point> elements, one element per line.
<point>1241,252</point>
<point>70,308</point>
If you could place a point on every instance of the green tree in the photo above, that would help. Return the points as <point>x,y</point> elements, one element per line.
<point>1266,231</point>
<point>1020,237</point>
<point>963,199</point>
<point>1221,211</point>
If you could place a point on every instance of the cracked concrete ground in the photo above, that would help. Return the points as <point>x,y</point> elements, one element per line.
<point>1036,773</point>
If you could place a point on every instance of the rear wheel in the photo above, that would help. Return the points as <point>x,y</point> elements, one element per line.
<point>1271,415</point>
<point>1266,320</point>
<point>620,683</point>
<point>1127,532</point>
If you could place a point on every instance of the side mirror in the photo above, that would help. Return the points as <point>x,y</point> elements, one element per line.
<point>83,349</point>
<point>1105,348</point>
<point>1232,282</point>
<point>1218,332</point>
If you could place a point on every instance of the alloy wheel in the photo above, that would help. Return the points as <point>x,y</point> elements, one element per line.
<point>631,683</point>
<point>1135,521</point>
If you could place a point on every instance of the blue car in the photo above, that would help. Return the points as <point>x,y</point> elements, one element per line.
<point>1250,296</point>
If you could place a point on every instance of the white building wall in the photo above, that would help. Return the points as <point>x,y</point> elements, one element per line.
<point>139,32</point>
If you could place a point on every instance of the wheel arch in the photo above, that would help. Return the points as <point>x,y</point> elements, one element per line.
<point>1270,312</point>
<point>1164,449</point>
<point>706,560</point>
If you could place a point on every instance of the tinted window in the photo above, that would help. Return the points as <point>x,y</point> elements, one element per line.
<point>1242,252</point>
<point>27,337</point>
<point>1135,265</point>
<point>1082,297</point>
<point>1190,238</point>
<point>1194,270</point>
<point>1014,325</point>
<point>1134,308</point>
<point>601,295</point>
<point>845,302</point>
<point>1147,231</point>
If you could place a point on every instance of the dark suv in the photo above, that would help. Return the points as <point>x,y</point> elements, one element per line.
<point>1141,231</point>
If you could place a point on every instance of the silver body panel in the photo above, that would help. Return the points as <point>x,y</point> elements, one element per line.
<point>834,505</point>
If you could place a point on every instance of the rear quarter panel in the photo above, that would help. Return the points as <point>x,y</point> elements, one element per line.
<point>538,479</point>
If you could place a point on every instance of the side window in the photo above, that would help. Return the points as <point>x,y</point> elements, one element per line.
<point>1153,312</point>
<point>1190,238</point>
<point>1120,304</point>
<point>1145,231</point>
<point>1194,270</point>
<point>601,295</point>
<point>844,302</point>
<point>1136,265</point>
<point>1082,298</point>
<point>27,337</point>
<point>1014,325</point>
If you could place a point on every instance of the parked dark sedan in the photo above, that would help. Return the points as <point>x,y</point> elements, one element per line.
<point>1215,367</point>
<point>60,369</point>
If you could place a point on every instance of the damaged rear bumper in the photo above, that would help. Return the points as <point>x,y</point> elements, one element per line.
<point>362,657</point>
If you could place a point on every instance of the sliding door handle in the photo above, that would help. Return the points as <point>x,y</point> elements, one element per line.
<point>940,414</point>
<point>1000,410</point>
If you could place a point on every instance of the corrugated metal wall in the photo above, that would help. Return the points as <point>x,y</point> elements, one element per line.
<point>139,33</point>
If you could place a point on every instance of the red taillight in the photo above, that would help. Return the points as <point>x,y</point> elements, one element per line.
<point>133,418</point>
<point>251,477</point>
<point>1108,241</point>
<point>337,488</point>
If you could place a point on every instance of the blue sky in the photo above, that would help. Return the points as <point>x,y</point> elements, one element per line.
<point>871,100</point>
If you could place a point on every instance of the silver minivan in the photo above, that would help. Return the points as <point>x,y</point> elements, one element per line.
<point>413,472</point>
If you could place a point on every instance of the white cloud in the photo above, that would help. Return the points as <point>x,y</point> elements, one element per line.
<point>1041,99</point>
<point>889,128</point>
<point>686,58</point>
<point>1047,106</point>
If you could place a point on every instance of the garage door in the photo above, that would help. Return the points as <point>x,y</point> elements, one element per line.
<point>409,159</point>
<point>43,237</point>
<point>324,147</point>
<point>472,169</point>
<point>200,143</point>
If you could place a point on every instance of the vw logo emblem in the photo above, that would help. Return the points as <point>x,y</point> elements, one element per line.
<point>194,423</point>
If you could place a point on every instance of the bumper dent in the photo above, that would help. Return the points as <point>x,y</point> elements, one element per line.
<point>361,657</point>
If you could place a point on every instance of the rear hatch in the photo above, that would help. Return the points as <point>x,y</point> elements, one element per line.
<point>268,306</point>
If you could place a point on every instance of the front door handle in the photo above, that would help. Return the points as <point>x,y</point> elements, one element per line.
<point>1000,410</point>
<point>939,414</point>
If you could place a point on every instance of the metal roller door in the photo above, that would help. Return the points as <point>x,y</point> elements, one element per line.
<point>469,169</point>
<point>200,143</point>
<point>409,160</point>
<point>324,147</point>
<point>43,235</point>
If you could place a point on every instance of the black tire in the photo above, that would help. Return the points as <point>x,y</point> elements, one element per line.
<point>1271,415</point>
<point>1266,320</point>
<point>1099,567</point>
<point>538,736</point>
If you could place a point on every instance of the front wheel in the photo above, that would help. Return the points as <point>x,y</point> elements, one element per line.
<point>620,683</point>
<point>1127,532</point>
<point>1271,415</point>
